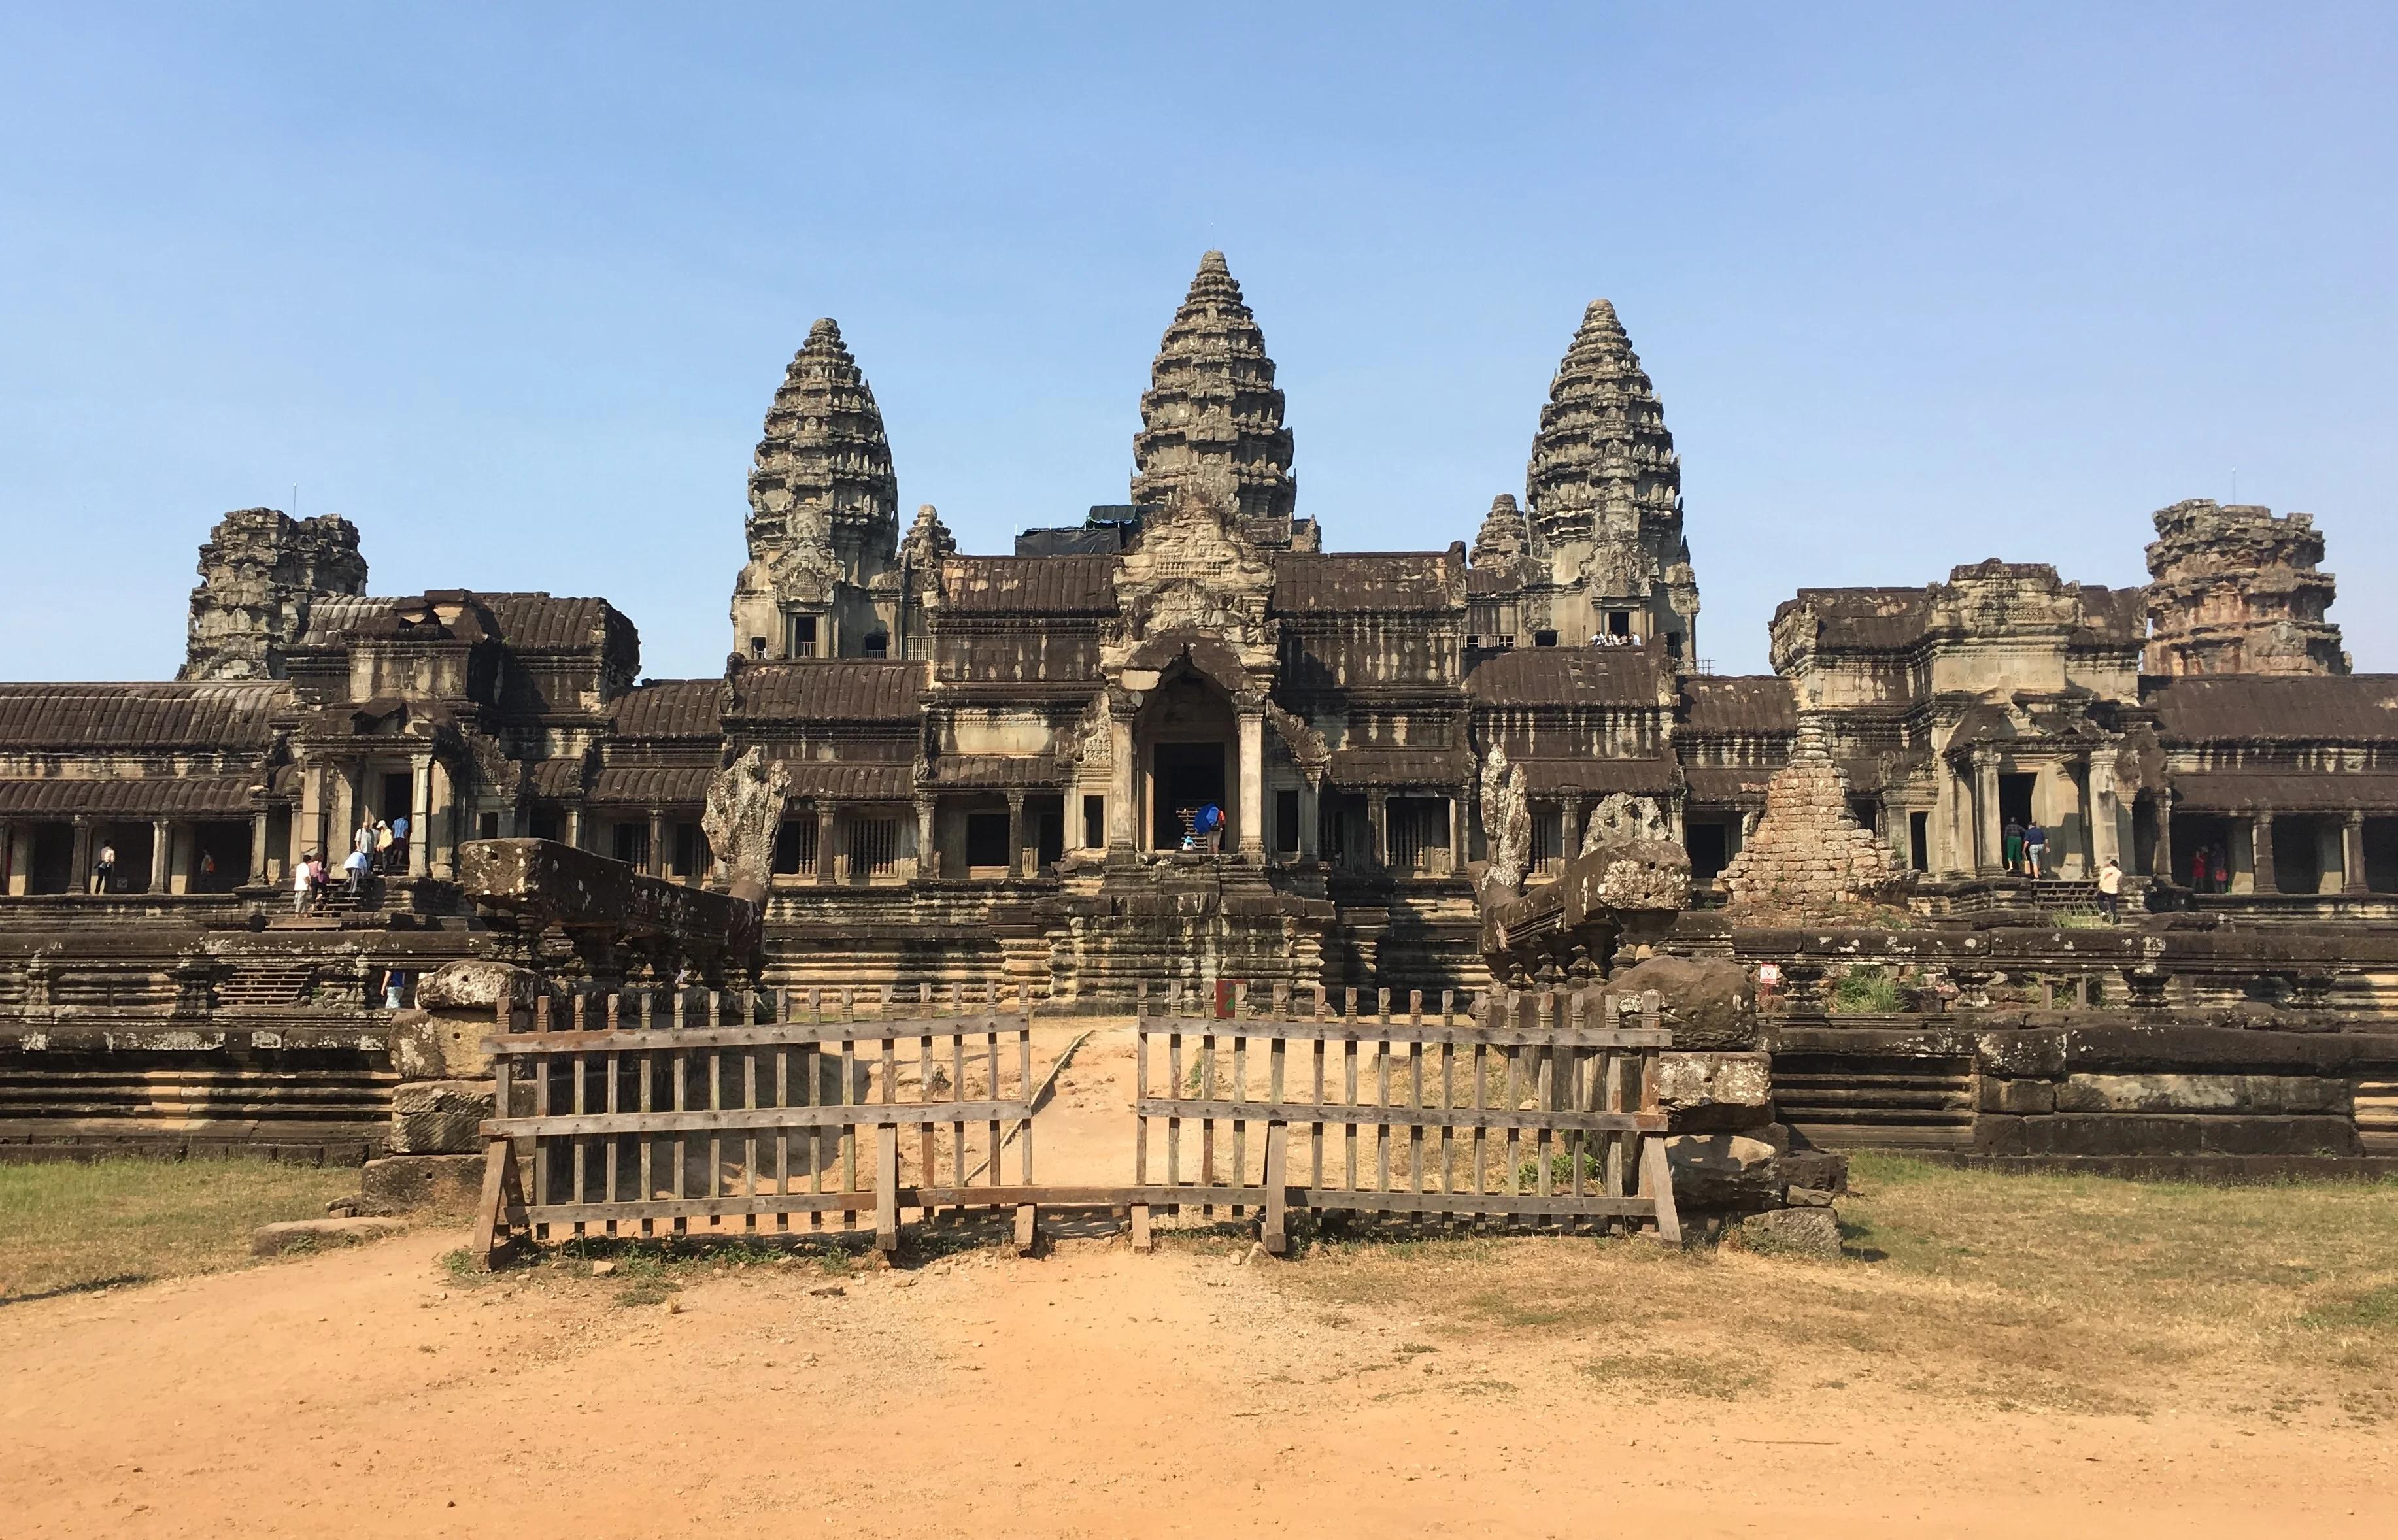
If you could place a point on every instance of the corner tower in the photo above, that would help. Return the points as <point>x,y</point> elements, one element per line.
<point>1211,412</point>
<point>824,514</point>
<point>2234,590</point>
<point>1603,495</point>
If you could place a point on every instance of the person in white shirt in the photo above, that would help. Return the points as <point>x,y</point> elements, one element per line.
<point>2111,884</point>
<point>302,887</point>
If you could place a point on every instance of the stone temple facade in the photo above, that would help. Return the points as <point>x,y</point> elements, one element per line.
<point>993,759</point>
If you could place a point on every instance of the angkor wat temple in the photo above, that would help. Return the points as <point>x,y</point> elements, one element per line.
<point>994,760</point>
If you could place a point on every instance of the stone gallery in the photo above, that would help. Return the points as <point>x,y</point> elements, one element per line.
<point>1178,738</point>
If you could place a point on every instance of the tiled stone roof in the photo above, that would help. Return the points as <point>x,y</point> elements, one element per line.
<point>1365,581</point>
<point>1565,676</point>
<point>842,690</point>
<point>2354,707</point>
<point>153,795</point>
<point>1029,586</point>
<point>141,716</point>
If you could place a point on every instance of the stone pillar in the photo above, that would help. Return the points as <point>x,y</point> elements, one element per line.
<point>420,813</point>
<point>657,861</point>
<point>2260,850</point>
<point>928,855</point>
<point>1457,834</point>
<point>2351,854</point>
<point>308,818</point>
<point>2331,872</point>
<point>1569,828</point>
<point>82,856</point>
<point>1015,833</point>
<point>257,847</point>
<point>2106,837</point>
<point>1310,821</point>
<point>1252,814</point>
<point>162,853</point>
<point>20,860</point>
<point>1378,809</point>
<point>1989,845</point>
<point>441,839</point>
<point>2160,860</point>
<point>7,857</point>
<point>1120,783</point>
<point>826,872</point>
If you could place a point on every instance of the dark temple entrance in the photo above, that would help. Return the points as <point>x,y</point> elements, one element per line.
<point>1189,776</point>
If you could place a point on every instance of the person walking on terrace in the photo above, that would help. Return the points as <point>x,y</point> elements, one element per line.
<point>2111,884</point>
<point>356,867</point>
<point>2034,850</point>
<point>105,867</point>
<point>2013,845</point>
<point>381,852</point>
<point>304,884</point>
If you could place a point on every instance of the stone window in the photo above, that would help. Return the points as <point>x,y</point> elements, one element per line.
<point>1287,823</point>
<point>632,845</point>
<point>799,636</point>
<point>876,645</point>
<point>986,839</point>
<point>795,847</point>
<point>874,847</point>
<point>1094,823</point>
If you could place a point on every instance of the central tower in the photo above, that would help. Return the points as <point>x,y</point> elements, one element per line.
<point>1211,412</point>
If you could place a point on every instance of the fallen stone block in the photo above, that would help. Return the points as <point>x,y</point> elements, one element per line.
<point>1716,1093</point>
<point>447,1184</point>
<point>1809,1232</point>
<point>1707,1004</point>
<point>274,1240</point>
<point>1722,1171</point>
<point>440,1117</point>
<point>426,1047</point>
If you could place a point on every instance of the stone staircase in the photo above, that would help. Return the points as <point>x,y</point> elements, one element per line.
<point>265,983</point>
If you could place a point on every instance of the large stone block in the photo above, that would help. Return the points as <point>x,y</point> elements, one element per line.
<point>440,1117</point>
<point>1708,1004</point>
<point>448,1184</point>
<point>2262,1095</point>
<point>1716,1093</point>
<point>2001,1135</point>
<point>2017,1097</point>
<point>1723,1171</point>
<point>1824,1170</point>
<point>478,986</point>
<point>426,1047</point>
<point>2109,1134</point>
<point>2277,1136</point>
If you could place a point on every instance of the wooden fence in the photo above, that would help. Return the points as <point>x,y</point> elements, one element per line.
<point>1531,1107</point>
<point>751,1114</point>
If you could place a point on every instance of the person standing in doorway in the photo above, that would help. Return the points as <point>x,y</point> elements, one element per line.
<point>2111,884</point>
<point>304,884</point>
<point>381,853</point>
<point>2222,870</point>
<point>2034,850</point>
<point>400,843</point>
<point>2202,867</point>
<point>2013,843</point>
<point>105,867</point>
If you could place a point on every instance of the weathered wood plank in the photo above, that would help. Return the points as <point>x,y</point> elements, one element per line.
<point>726,1119</point>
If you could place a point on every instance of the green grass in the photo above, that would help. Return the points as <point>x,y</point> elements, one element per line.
<point>66,1225</point>
<point>1866,988</point>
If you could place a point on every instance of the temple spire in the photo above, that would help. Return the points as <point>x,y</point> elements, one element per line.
<point>823,470</point>
<point>1212,412</point>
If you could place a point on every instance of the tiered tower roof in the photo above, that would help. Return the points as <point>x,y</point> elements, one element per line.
<point>1212,412</point>
<point>823,470</point>
<point>1603,464</point>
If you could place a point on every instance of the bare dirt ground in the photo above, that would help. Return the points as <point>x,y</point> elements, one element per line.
<point>1507,1386</point>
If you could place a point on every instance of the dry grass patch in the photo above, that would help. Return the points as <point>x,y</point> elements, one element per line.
<point>67,1225</point>
<point>2054,1293</point>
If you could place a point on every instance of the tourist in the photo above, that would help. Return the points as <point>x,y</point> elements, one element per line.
<point>2035,840</point>
<point>365,839</point>
<point>2222,870</point>
<point>317,880</point>
<point>2110,883</point>
<point>2200,867</point>
<point>393,981</point>
<point>399,842</point>
<point>2013,841</point>
<point>105,867</point>
<point>384,837</point>
<point>356,867</point>
<point>304,885</point>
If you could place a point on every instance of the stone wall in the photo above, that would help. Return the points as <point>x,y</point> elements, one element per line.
<point>1808,850</point>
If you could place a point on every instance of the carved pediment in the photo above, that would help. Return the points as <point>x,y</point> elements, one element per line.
<point>1194,575</point>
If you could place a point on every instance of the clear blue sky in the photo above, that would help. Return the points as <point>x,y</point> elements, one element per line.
<point>511,286</point>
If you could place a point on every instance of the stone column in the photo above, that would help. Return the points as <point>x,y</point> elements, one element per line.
<point>7,857</point>
<point>1311,821</point>
<point>2160,860</point>
<point>1989,845</point>
<point>825,864</point>
<point>2351,854</point>
<point>82,856</point>
<point>2331,869</point>
<point>1015,833</point>
<point>928,855</point>
<point>308,818</point>
<point>1569,829</point>
<point>1457,834</point>
<point>257,847</point>
<point>420,813</point>
<point>657,861</point>
<point>1120,781</point>
<point>20,860</point>
<point>162,852</point>
<point>2106,838</point>
<point>441,839</point>
<point>2261,852</point>
<point>1252,809</point>
<point>1378,810</point>
<point>575,822</point>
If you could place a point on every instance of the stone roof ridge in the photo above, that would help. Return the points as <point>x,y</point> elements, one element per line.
<point>1212,411</point>
<point>823,464</point>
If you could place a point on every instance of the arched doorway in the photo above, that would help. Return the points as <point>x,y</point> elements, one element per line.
<point>1186,738</point>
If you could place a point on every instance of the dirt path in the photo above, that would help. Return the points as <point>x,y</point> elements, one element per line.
<point>1091,1392</point>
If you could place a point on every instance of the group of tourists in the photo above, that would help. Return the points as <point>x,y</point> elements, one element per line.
<point>2026,849</point>
<point>379,847</point>
<point>2210,870</point>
